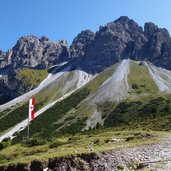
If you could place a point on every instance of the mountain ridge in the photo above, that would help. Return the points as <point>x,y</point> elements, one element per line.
<point>32,52</point>
<point>93,52</point>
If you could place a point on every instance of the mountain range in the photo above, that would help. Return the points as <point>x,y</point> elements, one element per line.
<point>121,39</point>
<point>118,77</point>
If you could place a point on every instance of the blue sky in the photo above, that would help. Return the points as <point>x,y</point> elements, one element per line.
<point>64,19</point>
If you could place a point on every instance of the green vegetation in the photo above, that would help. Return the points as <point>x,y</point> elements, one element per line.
<point>58,131</point>
<point>45,125</point>
<point>99,80</point>
<point>5,143</point>
<point>31,76</point>
<point>85,142</point>
<point>140,81</point>
<point>13,117</point>
<point>152,114</point>
<point>35,142</point>
<point>120,167</point>
<point>74,127</point>
<point>106,108</point>
<point>57,143</point>
<point>46,122</point>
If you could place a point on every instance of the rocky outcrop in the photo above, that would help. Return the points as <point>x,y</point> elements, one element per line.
<point>12,85</point>
<point>2,59</point>
<point>29,52</point>
<point>81,43</point>
<point>124,38</point>
<point>86,162</point>
<point>32,52</point>
<point>117,40</point>
<point>113,42</point>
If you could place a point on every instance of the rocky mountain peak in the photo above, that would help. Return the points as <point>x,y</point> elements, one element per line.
<point>44,38</point>
<point>117,40</point>
<point>123,19</point>
<point>150,28</point>
<point>32,52</point>
<point>124,38</point>
<point>123,24</point>
<point>81,43</point>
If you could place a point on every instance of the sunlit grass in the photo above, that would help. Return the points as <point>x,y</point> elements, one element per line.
<point>31,76</point>
<point>96,141</point>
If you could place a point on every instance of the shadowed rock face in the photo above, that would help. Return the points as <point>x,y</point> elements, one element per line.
<point>81,43</point>
<point>114,42</point>
<point>124,38</point>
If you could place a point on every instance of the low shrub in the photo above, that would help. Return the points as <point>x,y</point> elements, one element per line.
<point>5,143</point>
<point>56,144</point>
<point>35,142</point>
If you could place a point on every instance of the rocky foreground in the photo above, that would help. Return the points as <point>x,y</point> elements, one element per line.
<point>149,157</point>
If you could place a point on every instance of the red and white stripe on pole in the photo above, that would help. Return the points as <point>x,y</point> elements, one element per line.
<point>31,109</point>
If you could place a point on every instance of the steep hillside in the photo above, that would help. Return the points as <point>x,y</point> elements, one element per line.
<point>54,88</point>
<point>90,113</point>
<point>72,101</point>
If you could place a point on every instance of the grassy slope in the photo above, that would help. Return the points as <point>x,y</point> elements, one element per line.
<point>52,91</point>
<point>45,125</point>
<point>99,140</point>
<point>152,114</point>
<point>72,112</point>
<point>74,121</point>
<point>150,111</point>
<point>12,117</point>
<point>140,82</point>
<point>145,108</point>
<point>31,76</point>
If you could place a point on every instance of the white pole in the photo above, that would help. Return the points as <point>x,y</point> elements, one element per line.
<point>28,125</point>
<point>28,130</point>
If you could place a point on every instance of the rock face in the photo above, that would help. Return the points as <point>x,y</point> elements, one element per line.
<point>114,42</point>
<point>32,52</point>
<point>124,38</point>
<point>10,85</point>
<point>81,43</point>
<point>29,52</point>
<point>117,40</point>
<point>3,63</point>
